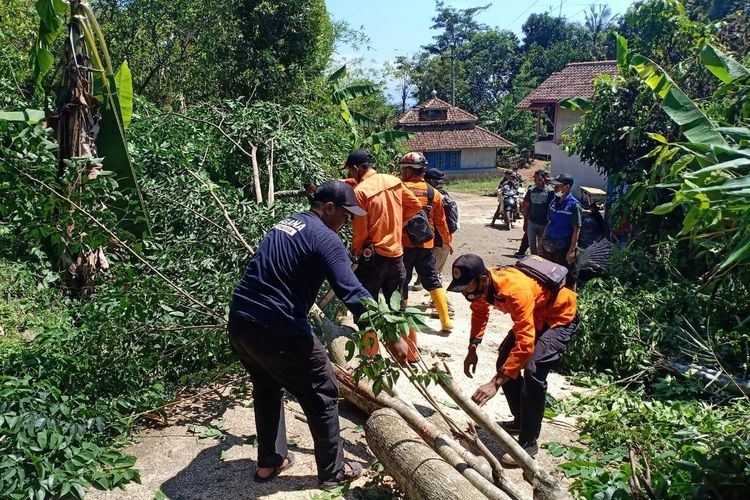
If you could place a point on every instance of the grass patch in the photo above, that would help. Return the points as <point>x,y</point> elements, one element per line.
<point>484,187</point>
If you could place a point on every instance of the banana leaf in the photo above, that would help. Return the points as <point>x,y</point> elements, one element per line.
<point>352,91</point>
<point>387,137</point>
<point>696,126</point>
<point>575,103</point>
<point>30,116</point>
<point>721,65</point>
<point>112,145</point>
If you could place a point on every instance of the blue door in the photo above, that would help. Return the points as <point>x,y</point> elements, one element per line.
<point>444,160</point>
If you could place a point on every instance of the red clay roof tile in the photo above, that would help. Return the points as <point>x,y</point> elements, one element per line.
<point>574,80</point>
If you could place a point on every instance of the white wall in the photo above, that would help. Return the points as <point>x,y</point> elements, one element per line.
<point>565,118</point>
<point>584,174</point>
<point>478,158</point>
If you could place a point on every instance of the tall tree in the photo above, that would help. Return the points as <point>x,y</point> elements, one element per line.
<point>458,26</point>
<point>269,49</point>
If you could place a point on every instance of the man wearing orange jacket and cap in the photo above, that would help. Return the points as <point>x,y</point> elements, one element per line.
<point>543,323</point>
<point>376,237</point>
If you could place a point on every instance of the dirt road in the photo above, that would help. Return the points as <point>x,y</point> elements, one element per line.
<point>174,461</point>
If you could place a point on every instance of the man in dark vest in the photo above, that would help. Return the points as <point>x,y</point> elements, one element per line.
<point>560,237</point>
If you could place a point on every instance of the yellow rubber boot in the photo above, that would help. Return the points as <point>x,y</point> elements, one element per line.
<point>441,304</point>
<point>413,355</point>
<point>371,350</point>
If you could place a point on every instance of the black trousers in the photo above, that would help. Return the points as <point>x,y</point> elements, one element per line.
<point>299,364</point>
<point>524,243</point>
<point>381,274</point>
<point>527,393</point>
<point>423,261</point>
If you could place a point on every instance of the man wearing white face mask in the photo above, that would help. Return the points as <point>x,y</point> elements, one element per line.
<point>560,237</point>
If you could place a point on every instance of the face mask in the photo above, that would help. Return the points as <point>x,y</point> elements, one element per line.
<point>559,194</point>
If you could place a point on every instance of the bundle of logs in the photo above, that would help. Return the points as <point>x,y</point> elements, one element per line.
<point>425,455</point>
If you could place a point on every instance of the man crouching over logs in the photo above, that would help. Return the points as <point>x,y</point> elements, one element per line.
<point>544,319</point>
<point>269,331</point>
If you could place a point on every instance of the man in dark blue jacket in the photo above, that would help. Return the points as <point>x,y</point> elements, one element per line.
<point>269,331</point>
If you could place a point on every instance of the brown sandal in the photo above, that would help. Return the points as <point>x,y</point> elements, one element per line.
<point>277,470</point>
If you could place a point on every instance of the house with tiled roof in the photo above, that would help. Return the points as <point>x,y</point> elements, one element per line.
<point>450,138</point>
<point>575,80</point>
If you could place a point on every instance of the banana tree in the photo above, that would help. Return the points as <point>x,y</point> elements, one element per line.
<point>343,92</point>
<point>94,106</point>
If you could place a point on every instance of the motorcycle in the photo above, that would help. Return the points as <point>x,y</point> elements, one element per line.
<point>508,206</point>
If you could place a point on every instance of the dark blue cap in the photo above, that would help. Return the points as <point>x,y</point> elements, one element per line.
<point>433,173</point>
<point>466,269</point>
<point>562,179</point>
<point>339,193</point>
<point>359,157</point>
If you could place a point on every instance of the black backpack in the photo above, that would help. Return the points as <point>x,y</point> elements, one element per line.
<point>547,273</point>
<point>418,227</point>
<point>451,212</point>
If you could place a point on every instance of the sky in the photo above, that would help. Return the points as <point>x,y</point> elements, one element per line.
<point>401,27</point>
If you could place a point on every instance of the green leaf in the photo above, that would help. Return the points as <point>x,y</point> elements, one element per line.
<point>252,440</point>
<point>292,443</point>
<point>695,124</point>
<point>575,103</point>
<point>338,74</point>
<point>664,208</point>
<point>622,55</point>
<point>387,137</point>
<point>395,301</point>
<point>721,65</point>
<point>223,455</point>
<point>740,253</point>
<point>207,432</point>
<point>350,348</point>
<point>738,163</point>
<point>159,495</point>
<point>112,145</point>
<point>657,137</point>
<point>124,85</point>
<point>377,386</point>
<point>30,116</point>
<point>735,132</point>
<point>353,91</point>
<point>50,24</point>
<point>363,120</point>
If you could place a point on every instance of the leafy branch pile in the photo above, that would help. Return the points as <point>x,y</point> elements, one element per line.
<point>669,324</point>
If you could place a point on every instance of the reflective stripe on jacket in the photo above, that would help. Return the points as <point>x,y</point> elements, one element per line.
<point>437,214</point>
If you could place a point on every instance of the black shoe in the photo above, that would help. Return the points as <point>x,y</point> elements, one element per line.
<point>510,426</point>
<point>349,472</point>
<point>531,448</point>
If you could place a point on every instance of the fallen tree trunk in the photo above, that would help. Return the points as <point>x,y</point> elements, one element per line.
<point>545,486</point>
<point>708,375</point>
<point>418,470</point>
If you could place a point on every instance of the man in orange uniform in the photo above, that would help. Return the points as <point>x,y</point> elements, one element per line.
<point>420,256</point>
<point>376,240</point>
<point>543,324</point>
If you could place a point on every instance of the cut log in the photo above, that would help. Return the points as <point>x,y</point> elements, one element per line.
<point>418,470</point>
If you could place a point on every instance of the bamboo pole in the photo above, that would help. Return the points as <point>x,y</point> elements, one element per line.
<point>545,486</point>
